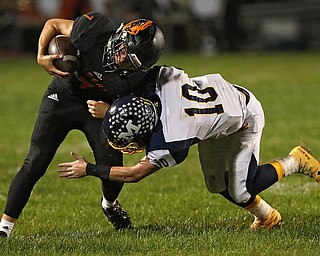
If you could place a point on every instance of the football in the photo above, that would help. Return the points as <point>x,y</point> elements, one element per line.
<point>61,44</point>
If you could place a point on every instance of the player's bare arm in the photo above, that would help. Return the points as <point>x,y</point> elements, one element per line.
<point>52,28</point>
<point>97,109</point>
<point>133,173</point>
<point>129,174</point>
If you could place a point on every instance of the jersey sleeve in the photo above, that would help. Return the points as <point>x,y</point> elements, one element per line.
<point>88,28</point>
<point>163,154</point>
<point>161,158</point>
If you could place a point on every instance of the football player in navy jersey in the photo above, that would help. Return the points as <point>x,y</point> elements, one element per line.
<point>225,120</point>
<point>114,61</point>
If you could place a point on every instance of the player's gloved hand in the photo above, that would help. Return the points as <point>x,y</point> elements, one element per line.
<point>75,169</point>
<point>46,61</point>
<point>97,109</point>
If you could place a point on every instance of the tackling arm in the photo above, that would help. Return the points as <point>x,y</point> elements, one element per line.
<point>132,173</point>
<point>129,174</point>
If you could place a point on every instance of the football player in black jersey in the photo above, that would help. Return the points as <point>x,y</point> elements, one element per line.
<point>115,61</point>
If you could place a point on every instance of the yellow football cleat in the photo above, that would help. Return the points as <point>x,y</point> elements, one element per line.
<point>308,165</point>
<point>273,220</point>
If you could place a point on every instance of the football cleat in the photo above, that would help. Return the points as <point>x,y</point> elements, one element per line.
<point>118,217</point>
<point>273,220</point>
<point>308,164</point>
<point>3,234</point>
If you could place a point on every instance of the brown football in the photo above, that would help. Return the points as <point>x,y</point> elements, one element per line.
<point>61,44</point>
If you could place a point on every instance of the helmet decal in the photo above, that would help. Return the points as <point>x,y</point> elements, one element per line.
<point>134,27</point>
<point>131,130</point>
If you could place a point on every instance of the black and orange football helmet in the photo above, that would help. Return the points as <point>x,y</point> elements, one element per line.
<point>144,44</point>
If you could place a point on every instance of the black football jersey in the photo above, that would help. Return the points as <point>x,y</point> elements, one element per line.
<point>89,34</point>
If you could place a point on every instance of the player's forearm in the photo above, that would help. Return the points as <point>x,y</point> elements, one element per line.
<point>133,173</point>
<point>80,168</point>
<point>127,174</point>
<point>115,173</point>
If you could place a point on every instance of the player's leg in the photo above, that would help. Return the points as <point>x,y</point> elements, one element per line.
<point>212,155</point>
<point>264,176</point>
<point>235,158</point>
<point>46,138</point>
<point>217,157</point>
<point>299,160</point>
<point>259,178</point>
<point>106,155</point>
<point>252,179</point>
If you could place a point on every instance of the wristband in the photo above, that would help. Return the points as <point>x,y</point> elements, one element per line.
<point>100,171</point>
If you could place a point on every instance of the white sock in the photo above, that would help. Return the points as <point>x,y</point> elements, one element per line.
<point>290,165</point>
<point>6,226</point>
<point>259,208</point>
<point>107,204</point>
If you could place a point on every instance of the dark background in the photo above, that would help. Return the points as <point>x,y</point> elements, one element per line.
<point>207,26</point>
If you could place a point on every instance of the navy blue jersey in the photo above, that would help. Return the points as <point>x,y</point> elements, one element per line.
<point>89,34</point>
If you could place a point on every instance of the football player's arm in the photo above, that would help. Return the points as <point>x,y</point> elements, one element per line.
<point>129,174</point>
<point>133,173</point>
<point>50,29</point>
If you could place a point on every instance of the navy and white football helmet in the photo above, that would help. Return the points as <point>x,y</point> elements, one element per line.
<point>144,44</point>
<point>129,124</point>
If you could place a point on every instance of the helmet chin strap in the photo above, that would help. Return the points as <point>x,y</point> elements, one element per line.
<point>130,149</point>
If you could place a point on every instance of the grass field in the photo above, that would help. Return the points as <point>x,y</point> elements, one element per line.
<point>172,211</point>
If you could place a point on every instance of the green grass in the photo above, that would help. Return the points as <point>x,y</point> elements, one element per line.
<point>172,211</point>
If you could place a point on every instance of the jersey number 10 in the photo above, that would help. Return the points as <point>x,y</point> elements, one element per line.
<point>217,109</point>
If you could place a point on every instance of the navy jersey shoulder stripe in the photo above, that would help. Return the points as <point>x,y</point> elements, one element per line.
<point>178,149</point>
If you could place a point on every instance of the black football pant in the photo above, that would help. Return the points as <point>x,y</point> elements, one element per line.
<point>57,116</point>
